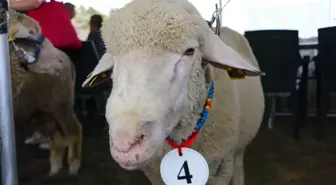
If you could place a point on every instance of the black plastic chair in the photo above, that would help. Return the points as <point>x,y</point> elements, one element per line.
<point>325,74</point>
<point>277,52</point>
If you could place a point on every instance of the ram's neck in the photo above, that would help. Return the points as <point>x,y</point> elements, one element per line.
<point>199,83</point>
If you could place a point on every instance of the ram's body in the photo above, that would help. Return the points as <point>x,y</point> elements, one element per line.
<point>36,90</point>
<point>233,121</point>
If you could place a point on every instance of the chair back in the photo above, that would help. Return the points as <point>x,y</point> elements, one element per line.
<point>277,52</point>
<point>326,59</point>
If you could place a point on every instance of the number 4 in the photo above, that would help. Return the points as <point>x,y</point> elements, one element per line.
<point>187,176</point>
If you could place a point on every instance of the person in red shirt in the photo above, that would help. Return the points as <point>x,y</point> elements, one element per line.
<point>54,20</point>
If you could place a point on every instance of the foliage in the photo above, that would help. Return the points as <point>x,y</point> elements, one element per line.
<point>82,18</point>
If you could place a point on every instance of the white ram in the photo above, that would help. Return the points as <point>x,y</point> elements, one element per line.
<point>160,85</point>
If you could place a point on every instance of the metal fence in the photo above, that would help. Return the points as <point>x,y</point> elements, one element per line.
<point>8,151</point>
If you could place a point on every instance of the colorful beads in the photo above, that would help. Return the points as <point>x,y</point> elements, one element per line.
<point>208,101</point>
<point>205,112</point>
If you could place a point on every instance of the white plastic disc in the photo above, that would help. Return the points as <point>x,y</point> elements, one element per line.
<point>189,169</point>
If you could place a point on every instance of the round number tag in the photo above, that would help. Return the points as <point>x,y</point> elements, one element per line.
<point>189,169</point>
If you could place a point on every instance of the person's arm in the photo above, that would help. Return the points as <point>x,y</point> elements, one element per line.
<point>24,5</point>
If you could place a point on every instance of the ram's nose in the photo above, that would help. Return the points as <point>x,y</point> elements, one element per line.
<point>124,141</point>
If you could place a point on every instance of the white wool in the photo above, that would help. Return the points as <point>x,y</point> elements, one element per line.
<point>170,26</point>
<point>160,87</point>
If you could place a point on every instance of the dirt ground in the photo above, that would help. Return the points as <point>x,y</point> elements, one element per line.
<point>273,158</point>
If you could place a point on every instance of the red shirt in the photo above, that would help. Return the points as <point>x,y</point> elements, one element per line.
<point>55,23</point>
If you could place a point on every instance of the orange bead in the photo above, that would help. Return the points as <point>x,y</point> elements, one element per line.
<point>207,107</point>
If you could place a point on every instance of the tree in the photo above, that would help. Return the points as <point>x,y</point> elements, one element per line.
<point>82,18</point>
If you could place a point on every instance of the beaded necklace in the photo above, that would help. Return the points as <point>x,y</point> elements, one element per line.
<point>188,142</point>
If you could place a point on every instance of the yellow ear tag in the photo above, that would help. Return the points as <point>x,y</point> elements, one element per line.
<point>91,84</point>
<point>88,76</point>
<point>12,32</point>
<point>235,74</point>
<point>99,78</point>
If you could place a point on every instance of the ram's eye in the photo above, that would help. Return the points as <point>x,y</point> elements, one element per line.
<point>31,32</point>
<point>189,52</point>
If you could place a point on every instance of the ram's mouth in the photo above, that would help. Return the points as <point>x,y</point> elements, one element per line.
<point>136,157</point>
<point>134,166</point>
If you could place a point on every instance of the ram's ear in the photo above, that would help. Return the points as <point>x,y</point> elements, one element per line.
<point>101,73</point>
<point>220,55</point>
<point>18,31</point>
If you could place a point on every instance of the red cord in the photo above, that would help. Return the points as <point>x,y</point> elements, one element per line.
<point>185,144</point>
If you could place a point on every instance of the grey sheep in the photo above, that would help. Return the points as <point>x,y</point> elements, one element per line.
<point>47,85</point>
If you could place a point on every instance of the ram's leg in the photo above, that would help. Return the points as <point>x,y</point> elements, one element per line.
<point>73,131</point>
<point>238,176</point>
<point>224,172</point>
<point>58,145</point>
<point>75,146</point>
<point>75,152</point>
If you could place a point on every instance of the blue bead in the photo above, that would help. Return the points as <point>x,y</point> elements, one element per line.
<point>205,112</point>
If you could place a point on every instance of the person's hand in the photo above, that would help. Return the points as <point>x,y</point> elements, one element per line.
<point>24,5</point>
